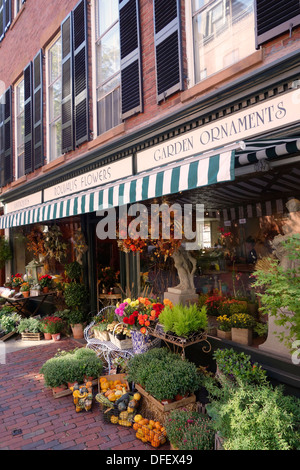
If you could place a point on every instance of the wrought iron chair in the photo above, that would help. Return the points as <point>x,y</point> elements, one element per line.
<point>105,349</point>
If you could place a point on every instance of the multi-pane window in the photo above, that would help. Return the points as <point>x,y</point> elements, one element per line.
<point>18,5</point>
<point>108,65</point>
<point>223,34</point>
<point>54,100</point>
<point>19,93</point>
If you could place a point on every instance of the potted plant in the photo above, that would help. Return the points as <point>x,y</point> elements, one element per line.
<point>25,289</point>
<point>16,281</point>
<point>45,282</point>
<point>189,430</point>
<point>100,329</point>
<point>54,326</point>
<point>30,329</point>
<point>241,328</point>
<point>76,320</point>
<point>224,327</point>
<point>74,271</point>
<point>184,320</point>
<point>76,297</point>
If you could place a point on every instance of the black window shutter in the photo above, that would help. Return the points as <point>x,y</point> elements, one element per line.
<point>80,67</point>
<point>274,17</point>
<point>28,160</point>
<point>167,32</point>
<point>2,98</point>
<point>37,125</point>
<point>7,131</point>
<point>2,20</point>
<point>67,105</point>
<point>7,14</point>
<point>131,65</point>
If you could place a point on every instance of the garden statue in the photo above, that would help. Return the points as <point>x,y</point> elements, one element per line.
<point>185,291</point>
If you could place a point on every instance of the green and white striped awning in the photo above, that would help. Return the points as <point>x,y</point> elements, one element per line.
<point>266,150</point>
<point>194,172</point>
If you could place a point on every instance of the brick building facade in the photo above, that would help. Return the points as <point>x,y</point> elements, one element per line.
<point>108,82</point>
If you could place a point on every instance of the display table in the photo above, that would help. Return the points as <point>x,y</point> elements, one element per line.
<point>20,303</point>
<point>179,342</point>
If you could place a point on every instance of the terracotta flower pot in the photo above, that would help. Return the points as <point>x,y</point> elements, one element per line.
<point>61,388</point>
<point>56,337</point>
<point>17,289</point>
<point>26,293</point>
<point>77,331</point>
<point>47,336</point>
<point>45,290</point>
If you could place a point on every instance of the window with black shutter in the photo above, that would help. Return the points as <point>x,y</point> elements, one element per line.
<point>274,17</point>
<point>37,125</point>
<point>2,98</point>
<point>167,31</point>
<point>131,71</point>
<point>7,132</point>
<point>80,68</point>
<point>67,104</point>
<point>28,160</point>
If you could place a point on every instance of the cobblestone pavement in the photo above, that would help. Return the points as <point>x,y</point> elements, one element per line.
<point>32,419</point>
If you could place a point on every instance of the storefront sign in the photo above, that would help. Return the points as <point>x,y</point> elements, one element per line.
<point>103,175</point>
<point>258,119</point>
<point>28,201</point>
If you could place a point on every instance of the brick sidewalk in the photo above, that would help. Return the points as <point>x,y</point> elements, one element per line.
<point>49,423</point>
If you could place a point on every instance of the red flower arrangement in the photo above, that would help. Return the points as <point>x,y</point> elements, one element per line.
<point>45,280</point>
<point>52,325</point>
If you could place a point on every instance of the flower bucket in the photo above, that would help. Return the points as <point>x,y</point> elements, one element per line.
<point>56,337</point>
<point>140,342</point>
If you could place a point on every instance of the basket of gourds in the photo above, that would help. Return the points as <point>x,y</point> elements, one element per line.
<point>116,403</point>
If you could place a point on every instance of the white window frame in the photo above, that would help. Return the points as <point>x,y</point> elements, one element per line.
<point>47,100</point>
<point>191,81</point>
<point>16,128</point>
<point>94,70</point>
<point>16,11</point>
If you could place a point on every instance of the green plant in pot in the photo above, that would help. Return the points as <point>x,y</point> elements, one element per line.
<point>53,325</point>
<point>29,325</point>
<point>76,297</point>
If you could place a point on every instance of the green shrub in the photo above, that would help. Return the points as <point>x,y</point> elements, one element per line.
<point>74,271</point>
<point>71,366</point>
<point>163,374</point>
<point>238,366</point>
<point>258,418</point>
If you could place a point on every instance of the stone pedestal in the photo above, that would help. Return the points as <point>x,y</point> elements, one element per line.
<point>177,296</point>
<point>272,344</point>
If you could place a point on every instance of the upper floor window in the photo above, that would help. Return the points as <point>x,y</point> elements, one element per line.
<point>19,104</point>
<point>223,34</point>
<point>18,6</point>
<point>107,65</point>
<point>54,91</point>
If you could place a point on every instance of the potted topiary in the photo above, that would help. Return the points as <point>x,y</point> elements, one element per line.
<point>76,296</point>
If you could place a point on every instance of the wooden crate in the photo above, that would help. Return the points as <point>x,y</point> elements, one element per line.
<point>113,377</point>
<point>9,335</point>
<point>32,336</point>
<point>160,412</point>
<point>67,391</point>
